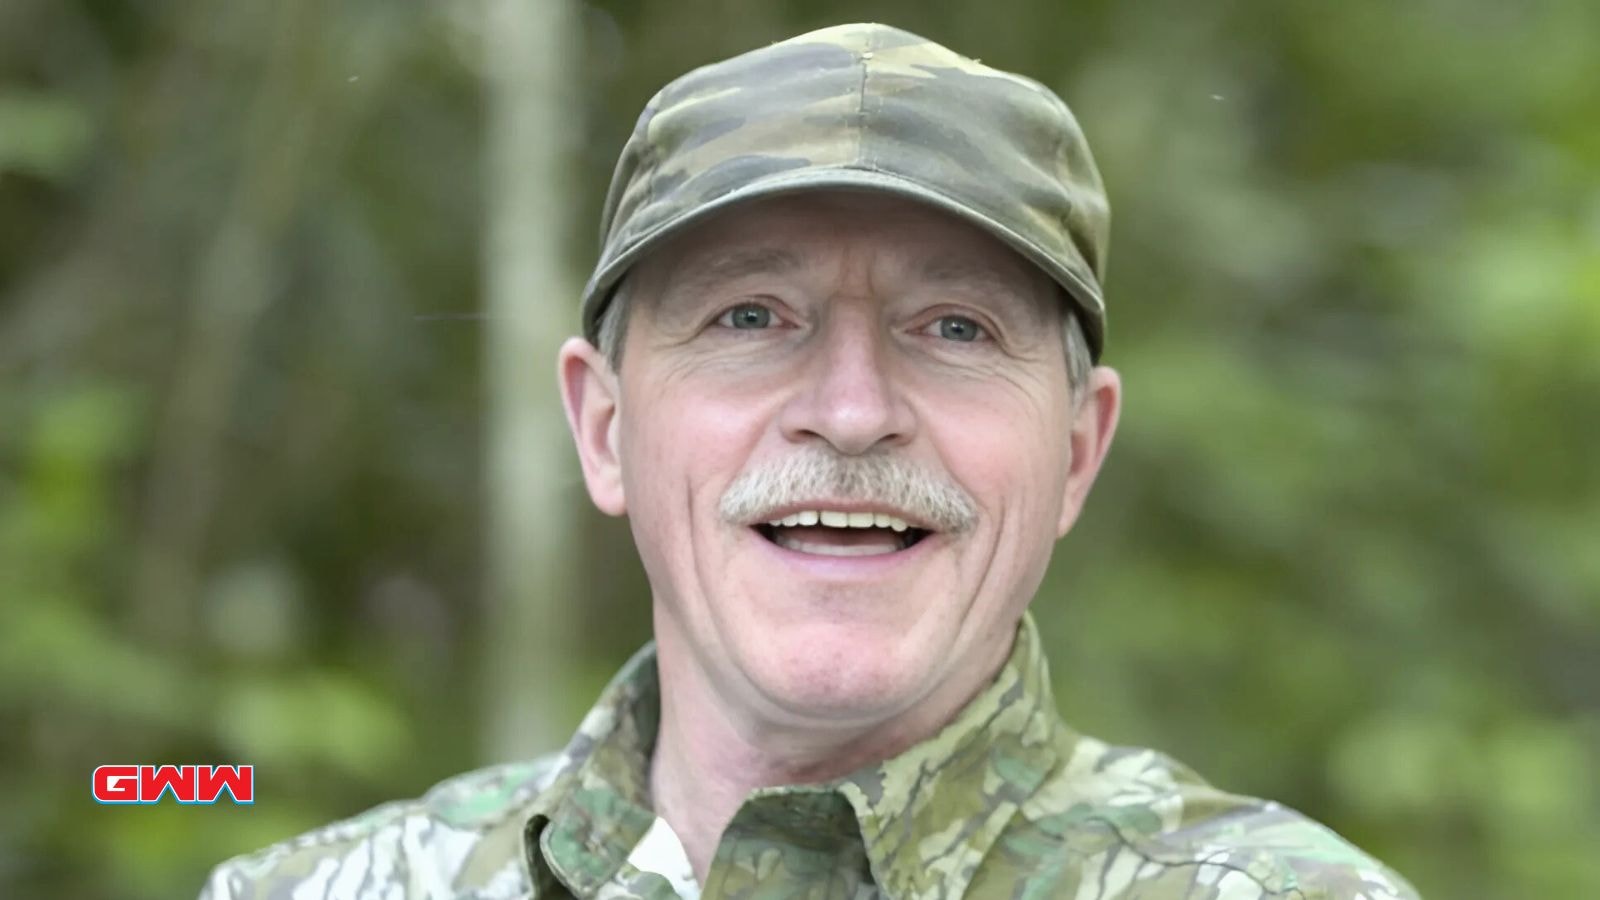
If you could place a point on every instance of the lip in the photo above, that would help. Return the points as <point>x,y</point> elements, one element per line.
<point>842,569</point>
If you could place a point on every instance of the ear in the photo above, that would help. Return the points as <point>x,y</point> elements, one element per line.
<point>589,393</point>
<point>1092,428</point>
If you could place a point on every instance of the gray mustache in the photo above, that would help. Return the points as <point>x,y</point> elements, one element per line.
<point>929,498</point>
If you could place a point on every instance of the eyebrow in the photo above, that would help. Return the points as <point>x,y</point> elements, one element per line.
<point>978,278</point>
<point>730,265</point>
<point>958,272</point>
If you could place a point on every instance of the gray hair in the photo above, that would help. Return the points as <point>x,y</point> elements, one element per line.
<point>612,333</point>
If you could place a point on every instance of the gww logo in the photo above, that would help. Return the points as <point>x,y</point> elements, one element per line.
<point>186,784</point>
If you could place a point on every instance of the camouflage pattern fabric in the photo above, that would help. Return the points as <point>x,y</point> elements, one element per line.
<point>1005,802</point>
<point>863,107</point>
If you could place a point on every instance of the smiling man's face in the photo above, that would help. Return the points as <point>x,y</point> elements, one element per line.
<point>844,435</point>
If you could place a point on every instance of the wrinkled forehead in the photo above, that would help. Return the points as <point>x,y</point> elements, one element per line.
<point>778,236</point>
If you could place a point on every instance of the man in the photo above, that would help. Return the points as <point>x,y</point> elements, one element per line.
<point>839,374</point>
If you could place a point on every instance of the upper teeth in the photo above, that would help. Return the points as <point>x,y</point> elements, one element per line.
<point>836,519</point>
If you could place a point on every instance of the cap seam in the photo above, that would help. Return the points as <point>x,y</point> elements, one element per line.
<point>862,153</point>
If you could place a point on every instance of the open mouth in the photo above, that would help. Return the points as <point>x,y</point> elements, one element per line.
<point>835,533</point>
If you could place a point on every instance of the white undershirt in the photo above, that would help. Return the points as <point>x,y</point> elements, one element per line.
<point>661,852</point>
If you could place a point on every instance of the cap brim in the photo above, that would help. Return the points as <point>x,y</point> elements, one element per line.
<point>1085,296</point>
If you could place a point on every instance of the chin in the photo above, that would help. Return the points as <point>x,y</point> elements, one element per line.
<point>842,673</point>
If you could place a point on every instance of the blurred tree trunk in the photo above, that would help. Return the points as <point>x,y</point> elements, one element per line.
<point>530,69</point>
<point>232,285</point>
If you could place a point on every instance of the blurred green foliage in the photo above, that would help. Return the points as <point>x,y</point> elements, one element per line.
<point>1346,552</point>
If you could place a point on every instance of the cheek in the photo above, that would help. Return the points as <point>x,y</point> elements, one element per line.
<point>1021,486</point>
<point>682,443</point>
<point>1010,450</point>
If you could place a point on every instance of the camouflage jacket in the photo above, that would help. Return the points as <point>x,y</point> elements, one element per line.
<point>1006,801</point>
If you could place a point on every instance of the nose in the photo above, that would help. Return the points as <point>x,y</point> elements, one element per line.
<point>849,395</point>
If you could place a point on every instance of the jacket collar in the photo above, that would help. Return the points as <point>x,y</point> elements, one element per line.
<point>923,819</point>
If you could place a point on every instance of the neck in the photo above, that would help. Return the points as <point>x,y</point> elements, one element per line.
<point>708,760</point>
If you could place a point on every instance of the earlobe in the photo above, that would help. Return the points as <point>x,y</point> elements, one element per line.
<point>590,396</point>
<point>1093,427</point>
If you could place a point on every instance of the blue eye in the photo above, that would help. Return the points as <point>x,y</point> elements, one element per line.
<point>746,316</point>
<point>959,328</point>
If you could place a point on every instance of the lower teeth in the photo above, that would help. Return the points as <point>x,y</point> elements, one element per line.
<point>900,541</point>
<point>836,550</point>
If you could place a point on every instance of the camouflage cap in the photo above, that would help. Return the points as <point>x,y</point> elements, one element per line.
<point>864,107</point>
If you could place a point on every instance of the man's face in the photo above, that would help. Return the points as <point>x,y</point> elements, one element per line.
<point>823,361</point>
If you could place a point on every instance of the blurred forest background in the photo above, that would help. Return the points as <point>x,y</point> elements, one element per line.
<point>283,481</point>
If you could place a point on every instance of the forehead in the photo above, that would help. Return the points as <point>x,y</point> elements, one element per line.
<point>780,235</point>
